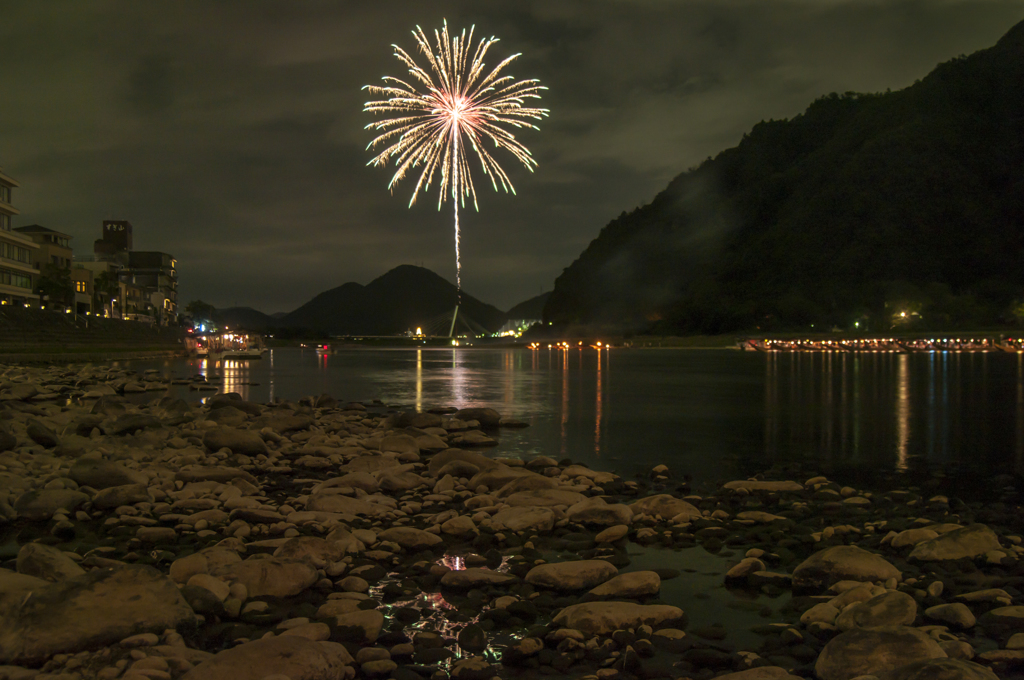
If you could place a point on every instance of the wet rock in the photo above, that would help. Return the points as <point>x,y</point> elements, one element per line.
<point>362,627</point>
<point>333,502</point>
<point>569,576</point>
<point>912,537</point>
<point>473,639</point>
<point>1003,620</point>
<point>466,579</point>
<point>891,608</point>
<point>762,673</point>
<point>131,423</point>
<point>41,434</point>
<point>94,609</point>
<point>665,506</point>
<point>487,417</point>
<point>842,562</point>
<point>292,656</point>
<point>124,494</point>
<point>632,585</point>
<point>970,541</point>
<point>544,498</point>
<point>874,651</point>
<point>604,618</point>
<point>754,485</point>
<point>7,440</point>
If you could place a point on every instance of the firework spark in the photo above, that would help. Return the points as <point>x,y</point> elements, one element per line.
<point>446,109</point>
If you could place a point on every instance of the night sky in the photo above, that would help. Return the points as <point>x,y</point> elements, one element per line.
<point>231,133</point>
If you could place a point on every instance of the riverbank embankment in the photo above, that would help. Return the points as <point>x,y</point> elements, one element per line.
<point>43,336</point>
<point>319,539</point>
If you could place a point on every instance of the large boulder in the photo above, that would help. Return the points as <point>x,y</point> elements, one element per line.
<point>940,669</point>
<point>842,563</point>
<point>523,519</point>
<point>46,562</point>
<point>1003,620</point>
<point>544,498</point>
<point>291,656</point>
<point>570,576</point>
<point>101,474</point>
<point>487,417</point>
<point>874,651</point>
<point>39,505</point>
<point>598,512</point>
<point>98,608</point>
<point>270,576</point>
<point>475,577</point>
<point>311,549</point>
<point>604,618</point>
<point>891,608</point>
<point>666,506</point>
<point>971,541</point>
<point>335,502</point>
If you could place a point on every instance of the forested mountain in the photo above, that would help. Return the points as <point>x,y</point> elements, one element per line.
<point>862,206</point>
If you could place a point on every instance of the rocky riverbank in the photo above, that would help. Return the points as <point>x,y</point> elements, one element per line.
<point>319,540</point>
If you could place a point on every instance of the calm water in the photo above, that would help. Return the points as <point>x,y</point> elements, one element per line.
<point>710,414</point>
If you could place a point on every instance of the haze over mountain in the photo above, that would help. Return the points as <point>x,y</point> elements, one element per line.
<point>864,205</point>
<point>403,299</point>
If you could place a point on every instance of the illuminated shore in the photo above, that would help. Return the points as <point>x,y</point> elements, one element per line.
<point>340,540</point>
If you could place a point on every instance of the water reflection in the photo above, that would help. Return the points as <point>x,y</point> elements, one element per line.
<point>902,413</point>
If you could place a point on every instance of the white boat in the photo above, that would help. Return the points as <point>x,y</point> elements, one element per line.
<point>239,346</point>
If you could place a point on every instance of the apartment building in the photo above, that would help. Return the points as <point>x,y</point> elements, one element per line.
<point>149,279</point>
<point>18,253</point>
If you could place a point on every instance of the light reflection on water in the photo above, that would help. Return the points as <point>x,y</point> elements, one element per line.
<point>710,414</point>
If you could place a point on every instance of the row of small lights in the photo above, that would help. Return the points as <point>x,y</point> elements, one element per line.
<point>566,345</point>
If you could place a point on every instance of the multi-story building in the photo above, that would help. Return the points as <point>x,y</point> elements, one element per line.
<point>54,246</point>
<point>149,279</point>
<point>18,275</point>
<point>82,279</point>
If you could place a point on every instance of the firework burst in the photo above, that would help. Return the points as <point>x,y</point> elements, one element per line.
<point>436,118</point>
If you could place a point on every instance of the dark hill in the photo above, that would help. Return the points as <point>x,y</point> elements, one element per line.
<point>403,299</point>
<point>243,318</point>
<point>863,205</point>
<point>530,309</point>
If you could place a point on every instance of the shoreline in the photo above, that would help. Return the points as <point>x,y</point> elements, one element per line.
<point>389,544</point>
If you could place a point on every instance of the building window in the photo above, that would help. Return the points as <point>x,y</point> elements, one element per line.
<point>5,193</point>
<point>5,222</point>
<point>80,287</point>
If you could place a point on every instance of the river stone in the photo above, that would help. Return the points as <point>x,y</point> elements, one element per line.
<point>410,538</point>
<point>464,579</point>
<point>41,504</point>
<point>544,498</point>
<point>282,423</point>
<point>459,526</point>
<point>487,417</point>
<point>523,519</point>
<point>612,534</point>
<point>310,548</point>
<point>399,443</point>
<point>955,615</point>
<point>1002,620</point>
<point>940,669</point>
<point>842,563</point>
<point>912,537</point>
<point>497,477</point>
<point>334,502</point>
<point>400,480</point>
<point>46,562</point>
<point>526,483</point>
<point>244,442</point>
<point>604,618</point>
<point>228,416</point>
<point>759,517</point>
<point>597,511</point>
<point>762,673</point>
<point>41,434</point>
<point>354,480</point>
<point>124,494</point>
<point>633,585</point>
<point>223,475</point>
<point>7,440</point>
<point>361,626</point>
<point>477,460</point>
<point>665,505</point>
<point>291,656</point>
<point>891,608</point>
<point>971,541</point>
<point>753,485</point>
<point>874,651</point>
<point>95,609</point>
<point>568,576</point>
<point>269,576</point>
<point>132,422</point>
<point>100,474</point>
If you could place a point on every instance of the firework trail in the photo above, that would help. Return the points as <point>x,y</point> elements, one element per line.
<point>443,112</point>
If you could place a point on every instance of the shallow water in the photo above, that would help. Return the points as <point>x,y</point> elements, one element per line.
<point>710,415</point>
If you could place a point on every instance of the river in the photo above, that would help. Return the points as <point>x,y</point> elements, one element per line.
<point>710,415</point>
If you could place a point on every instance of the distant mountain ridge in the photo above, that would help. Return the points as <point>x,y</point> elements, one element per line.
<point>860,206</point>
<point>402,299</point>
